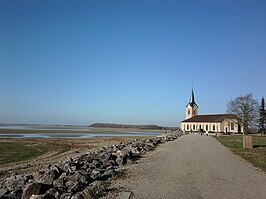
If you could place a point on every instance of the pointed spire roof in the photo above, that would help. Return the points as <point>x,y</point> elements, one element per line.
<point>192,102</point>
<point>192,98</point>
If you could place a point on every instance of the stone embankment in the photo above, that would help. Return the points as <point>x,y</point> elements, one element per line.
<point>82,176</point>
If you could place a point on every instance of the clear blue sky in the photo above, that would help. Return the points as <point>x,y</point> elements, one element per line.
<point>79,62</point>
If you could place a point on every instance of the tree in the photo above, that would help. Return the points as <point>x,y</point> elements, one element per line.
<point>262,117</point>
<point>246,107</point>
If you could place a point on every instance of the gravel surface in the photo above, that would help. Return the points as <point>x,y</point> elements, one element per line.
<point>195,167</point>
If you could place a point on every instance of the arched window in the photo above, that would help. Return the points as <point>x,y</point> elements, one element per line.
<point>213,128</point>
<point>232,125</point>
<point>187,127</point>
<point>188,112</point>
<point>206,127</point>
<point>194,112</point>
<point>193,127</point>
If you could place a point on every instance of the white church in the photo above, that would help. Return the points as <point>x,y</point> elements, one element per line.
<point>218,123</point>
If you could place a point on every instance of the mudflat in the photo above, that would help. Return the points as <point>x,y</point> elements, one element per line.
<point>193,166</point>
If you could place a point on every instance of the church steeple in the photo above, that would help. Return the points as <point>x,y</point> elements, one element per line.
<point>192,98</point>
<point>192,102</point>
<point>192,107</point>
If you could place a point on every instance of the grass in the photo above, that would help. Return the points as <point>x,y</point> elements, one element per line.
<point>119,174</point>
<point>17,151</point>
<point>257,155</point>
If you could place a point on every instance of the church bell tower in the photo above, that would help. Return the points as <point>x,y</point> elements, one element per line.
<point>192,107</point>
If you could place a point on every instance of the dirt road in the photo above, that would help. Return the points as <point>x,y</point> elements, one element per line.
<point>194,167</point>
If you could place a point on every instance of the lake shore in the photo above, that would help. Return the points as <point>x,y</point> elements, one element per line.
<point>59,149</point>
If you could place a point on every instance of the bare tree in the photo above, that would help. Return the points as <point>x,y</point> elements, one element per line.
<point>246,107</point>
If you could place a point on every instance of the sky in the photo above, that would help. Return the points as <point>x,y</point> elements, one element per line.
<point>130,62</point>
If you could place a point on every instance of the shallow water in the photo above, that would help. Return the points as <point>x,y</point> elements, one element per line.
<point>71,132</point>
<point>78,135</point>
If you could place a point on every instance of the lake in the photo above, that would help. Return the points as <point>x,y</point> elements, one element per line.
<point>54,131</point>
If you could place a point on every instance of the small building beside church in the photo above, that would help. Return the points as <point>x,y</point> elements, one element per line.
<point>217,123</point>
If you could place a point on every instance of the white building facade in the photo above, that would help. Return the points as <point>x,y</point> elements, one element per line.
<point>218,123</point>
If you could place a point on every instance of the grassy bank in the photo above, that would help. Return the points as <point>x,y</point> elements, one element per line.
<point>17,151</point>
<point>257,155</point>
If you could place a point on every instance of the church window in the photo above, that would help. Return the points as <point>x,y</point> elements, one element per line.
<point>188,112</point>
<point>187,127</point>
<point>213,128</point>
<point>232,125</point>
<point>194,127</point>
<point>206,127</point>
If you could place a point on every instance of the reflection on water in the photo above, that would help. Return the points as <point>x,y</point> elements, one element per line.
<point>71,131</point>
<point>54,128</point>
<point>37,135</point>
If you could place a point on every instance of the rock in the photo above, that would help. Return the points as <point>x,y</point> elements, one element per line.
<point>108,174</point>
<point>14,194</point>
<point>122,160</point>
<point>53,192</point>
<point>69,166</point>
<point>77,177</point>
<point>56,170</point>
<point>66,196</point>
<point>46,196</point>
<point>96,173</point>
<point>112,156</point>
<point>38,175</point>
<point>36,197</point>
<point>96,163</point>
<point>98,188</point>
<point>59,183</point>
<point>48,175</point>
<point>31,189</point>
<point>85,194</point>
<point>3,191</point>
<point>74,186</point>
<point>47,178</point>
<point>105,164</point>
<point>74,182</point>
<point>16,181</point>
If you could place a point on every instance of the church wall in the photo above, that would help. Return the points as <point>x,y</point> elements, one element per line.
<point>228,125</point>
<point>196,126</point>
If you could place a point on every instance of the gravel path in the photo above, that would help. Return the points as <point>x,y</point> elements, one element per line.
<point>195,167</point>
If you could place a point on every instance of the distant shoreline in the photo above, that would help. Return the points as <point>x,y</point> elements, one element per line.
<point>129,126</point>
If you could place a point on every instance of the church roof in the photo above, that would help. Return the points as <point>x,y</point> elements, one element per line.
<point>192,102</point>
<point>211,118</point>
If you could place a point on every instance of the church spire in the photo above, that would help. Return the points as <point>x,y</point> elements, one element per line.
<point>192,102</point>
<point>192,98</point>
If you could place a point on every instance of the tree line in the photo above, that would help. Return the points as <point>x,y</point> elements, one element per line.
<point>250,112</point>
